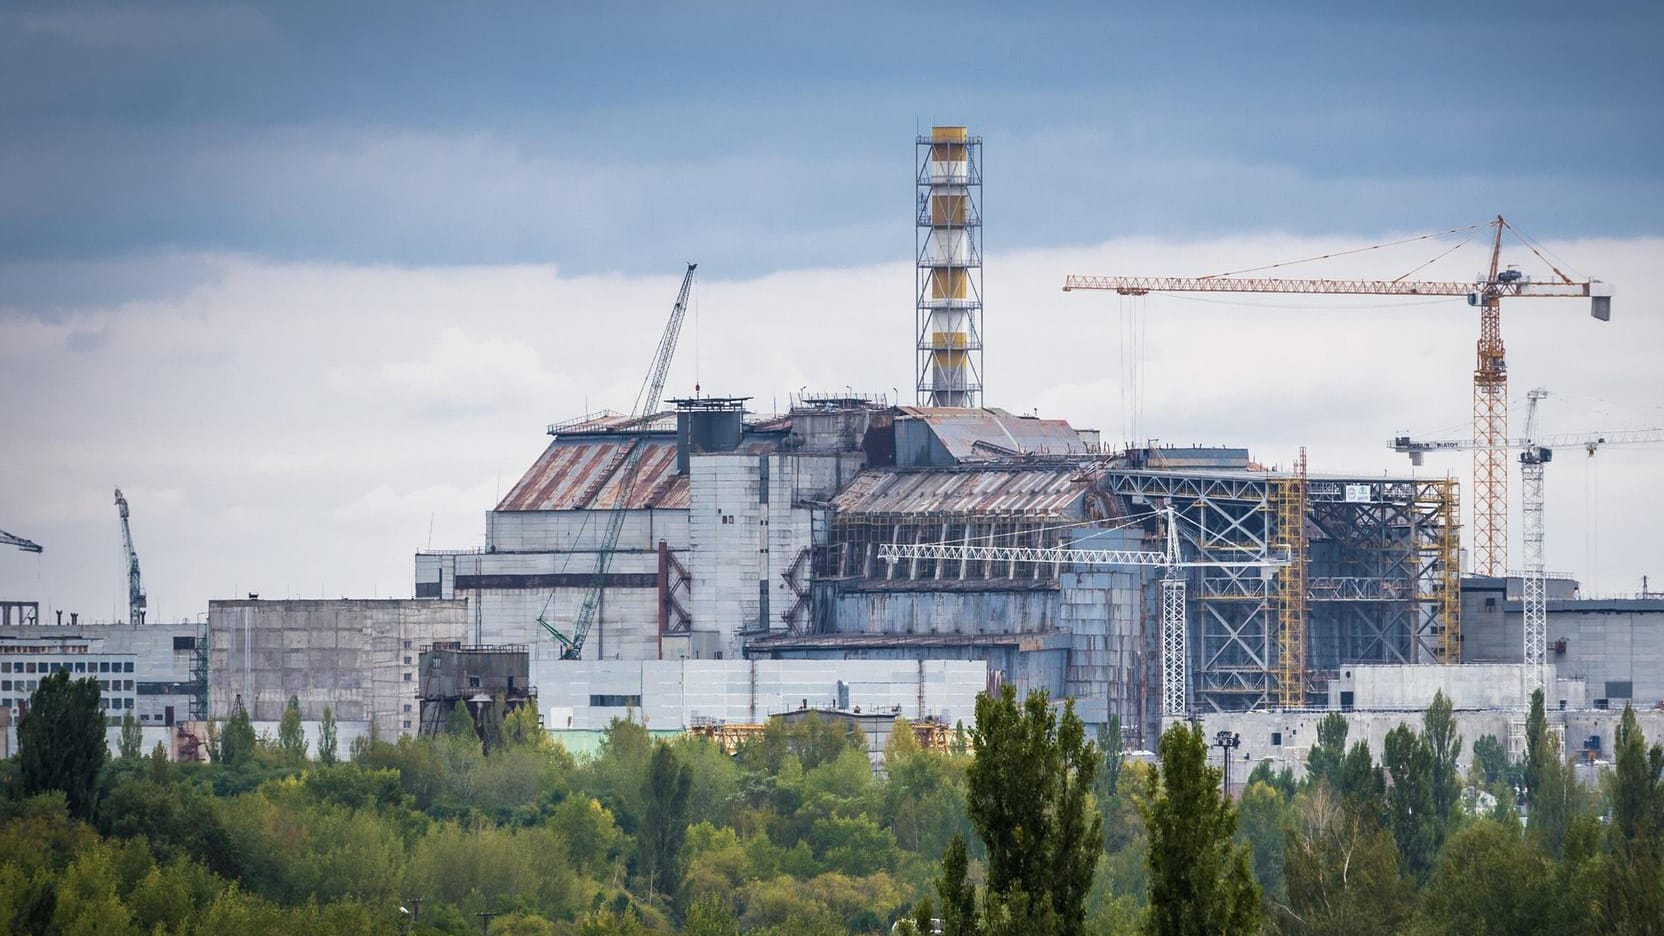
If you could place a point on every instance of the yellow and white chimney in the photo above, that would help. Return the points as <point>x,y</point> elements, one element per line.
<point>948,246</point>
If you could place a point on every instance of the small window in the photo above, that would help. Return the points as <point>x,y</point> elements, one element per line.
<point>127,667</point>
<point>5,666</point>
<point>407,708</point>
<point>407,677</point>
<point>407,724</point>
<point>407,645</point>
<point>80,667</point>
<point>5,685</point>
<point>184,643</point>
<point>473,682</point>
<point>407,661</point>
<point>127,685</point>
<point>103,666</point>
<point>615,701</point>
<point>1276,739</point>
<point>1490,604</point>
<point>29,666</point>
<point>1346,701</point>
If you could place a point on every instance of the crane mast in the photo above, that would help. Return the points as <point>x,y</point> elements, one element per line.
<point>1490,374</point>
<point>1536,449</point>
<point>135,589</point>
<point>627,463</point>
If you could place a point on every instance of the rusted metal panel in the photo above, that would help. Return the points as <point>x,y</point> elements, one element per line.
<point>990,491</point>
<point>567,471</point>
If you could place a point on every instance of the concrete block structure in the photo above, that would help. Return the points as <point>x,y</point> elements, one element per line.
<point>357,656</point>
<point>155,672</point>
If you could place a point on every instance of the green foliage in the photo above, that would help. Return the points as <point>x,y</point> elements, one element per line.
<point>61,742</point>
<point>291,739</point>
<point>1362,787</point>
<point>1280,780</point>
<point>1200,881</point>
<point>1490,758</point>
<point>131,743</point>
<point>1342,873</point>
<point>236,740</point>
<point>1411,813</point>
<point>1324,760</point>
<point>328,739</point>
<point>1444,746</point>
<point>664,794</point>
<point>1028,793</point>
<point>1635,893</point>
<point>1489,882</point>
<point>1262,815</point>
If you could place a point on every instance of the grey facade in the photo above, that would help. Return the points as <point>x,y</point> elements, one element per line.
<point>1615,646</point>
<point>357,656</point>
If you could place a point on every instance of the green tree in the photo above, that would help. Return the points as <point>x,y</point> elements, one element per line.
<point>1199,879</point>
<point>664,821</point>
<point>1028,795</point>
<point>1489,882</point>
<point>1112,756</point>
<point>1552,795</point>
<point>1635,895</point>
<point>710,916</point>
<point>1491,759</point>
<point>1445,747</point>
<point>237,741</point>
<point>1342,872</point>
<point>131,743</point>
<point>1411,812</point>
<point>1362,786</point>
<point>60,741</point>
<point>459,723</point>
<point>328,740</point>
<point>956,891</point>
<point>291,738</point>
<point>1324,760</point>
<point>1262,815</point>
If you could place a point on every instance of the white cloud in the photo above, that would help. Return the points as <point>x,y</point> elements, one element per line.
<point>296,428</point>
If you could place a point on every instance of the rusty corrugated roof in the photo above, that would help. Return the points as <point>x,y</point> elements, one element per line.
<point>986,491</point>
<point>574,474</point>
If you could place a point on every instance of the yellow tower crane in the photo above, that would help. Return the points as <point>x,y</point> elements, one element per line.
<point>1490,373</point>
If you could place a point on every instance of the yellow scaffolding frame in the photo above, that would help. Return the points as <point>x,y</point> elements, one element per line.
<point>1289,588</point>
<point>1448,584</point>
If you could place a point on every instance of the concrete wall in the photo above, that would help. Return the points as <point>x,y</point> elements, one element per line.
<point>357,656</point>
<point>1286,738</point>
<point>747,529</point>
<point>675,694</point>
<point>1616,647</point>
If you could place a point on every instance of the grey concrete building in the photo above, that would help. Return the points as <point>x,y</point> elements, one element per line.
<point>357,656</point>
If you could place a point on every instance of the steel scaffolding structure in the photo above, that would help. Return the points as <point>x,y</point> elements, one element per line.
<point>1291,587</point>
<point>1380,580</point>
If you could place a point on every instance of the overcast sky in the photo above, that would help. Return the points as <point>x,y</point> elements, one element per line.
<point>308,282</point>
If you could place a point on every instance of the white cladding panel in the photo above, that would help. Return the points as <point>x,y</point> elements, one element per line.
<point>675,694</point>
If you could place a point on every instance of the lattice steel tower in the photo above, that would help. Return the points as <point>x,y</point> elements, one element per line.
<point>948,254</point>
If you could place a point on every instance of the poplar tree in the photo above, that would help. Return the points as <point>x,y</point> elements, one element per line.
<point>1200,883</point>
<point>60,741</point>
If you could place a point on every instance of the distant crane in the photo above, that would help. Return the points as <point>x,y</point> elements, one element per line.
<point>1175,657</point>
<point>1490,374</point>
<point>627,461</point>
<point>1536,450</point>
<point>10,539</point>
<point>135,590</point>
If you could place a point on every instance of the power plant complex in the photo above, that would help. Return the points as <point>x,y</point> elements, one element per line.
<point>696,562</point>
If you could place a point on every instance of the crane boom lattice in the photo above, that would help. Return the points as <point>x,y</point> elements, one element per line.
<point>136,600</point>
<point>627,464</point>
<point>12,539</point>
<point>1490,375</point>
